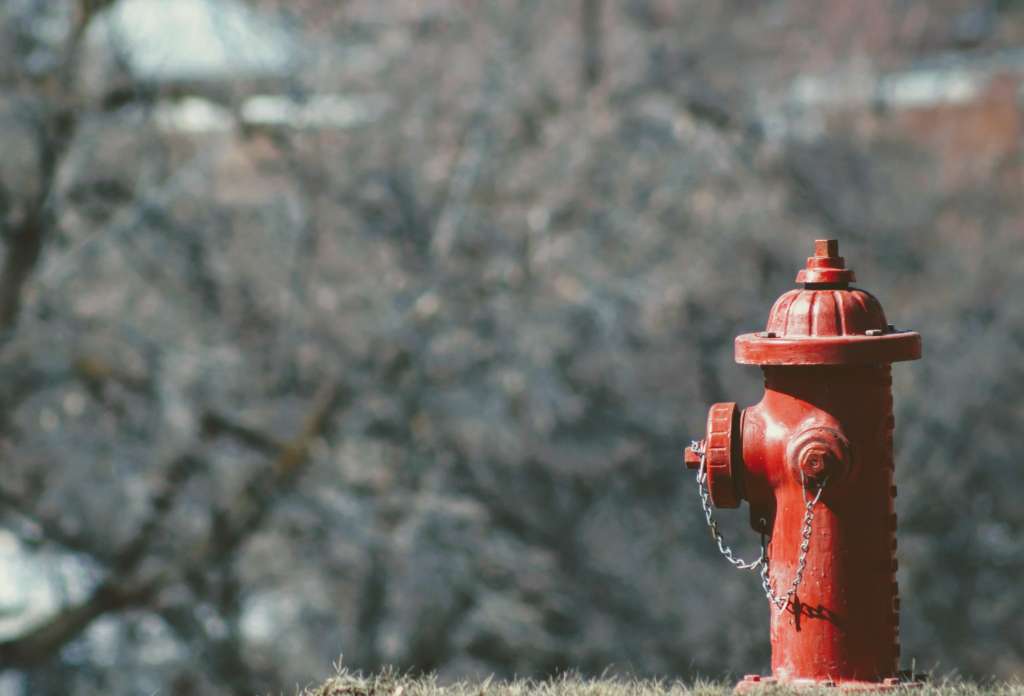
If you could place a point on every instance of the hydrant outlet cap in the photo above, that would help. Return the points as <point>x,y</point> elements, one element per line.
<point>826,267</point>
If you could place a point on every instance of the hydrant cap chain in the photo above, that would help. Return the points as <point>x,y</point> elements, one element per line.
<point>826,322</point>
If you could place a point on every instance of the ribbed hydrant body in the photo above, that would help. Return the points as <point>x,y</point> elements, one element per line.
<point>814,461</point>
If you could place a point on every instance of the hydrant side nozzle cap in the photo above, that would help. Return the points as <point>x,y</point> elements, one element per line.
<point>826,267</point>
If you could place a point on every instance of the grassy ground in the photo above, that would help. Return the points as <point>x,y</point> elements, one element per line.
<point>391,684</point>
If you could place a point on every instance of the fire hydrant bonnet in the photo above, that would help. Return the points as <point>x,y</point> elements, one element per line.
<point>826,322</point>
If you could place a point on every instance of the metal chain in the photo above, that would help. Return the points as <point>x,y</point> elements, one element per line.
<point>780,602</point>
<point>705,501</point>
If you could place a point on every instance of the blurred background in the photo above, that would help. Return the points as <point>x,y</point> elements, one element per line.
<point>373,332</point>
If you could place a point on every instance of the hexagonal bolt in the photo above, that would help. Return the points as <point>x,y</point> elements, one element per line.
<point>826,247</point>
<point>819,453</point>
<point>815,461</point>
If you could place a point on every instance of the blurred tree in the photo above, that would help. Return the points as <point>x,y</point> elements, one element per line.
<point>392,354</point>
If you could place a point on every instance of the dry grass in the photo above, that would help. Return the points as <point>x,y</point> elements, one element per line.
<point>393,684</point>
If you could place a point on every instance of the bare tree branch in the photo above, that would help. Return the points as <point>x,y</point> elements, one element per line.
<point>123,589</point>
<point>592,43</point>
<point>25,243</point>
<point>55,130</point>
<point>43,641</point>
<point>215,423</point>
<point>119,591</point>
<point>252,507</point>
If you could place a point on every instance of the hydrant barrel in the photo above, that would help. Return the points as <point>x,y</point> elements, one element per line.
<point>842,623</point>
<point>815,458</point>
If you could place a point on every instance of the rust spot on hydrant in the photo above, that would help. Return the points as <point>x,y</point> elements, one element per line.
<point>814,462</point>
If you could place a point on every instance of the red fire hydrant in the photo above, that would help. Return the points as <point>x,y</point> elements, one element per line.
<point>814,462</point>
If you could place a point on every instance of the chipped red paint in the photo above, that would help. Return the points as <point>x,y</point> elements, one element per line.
<point>826,416</point>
